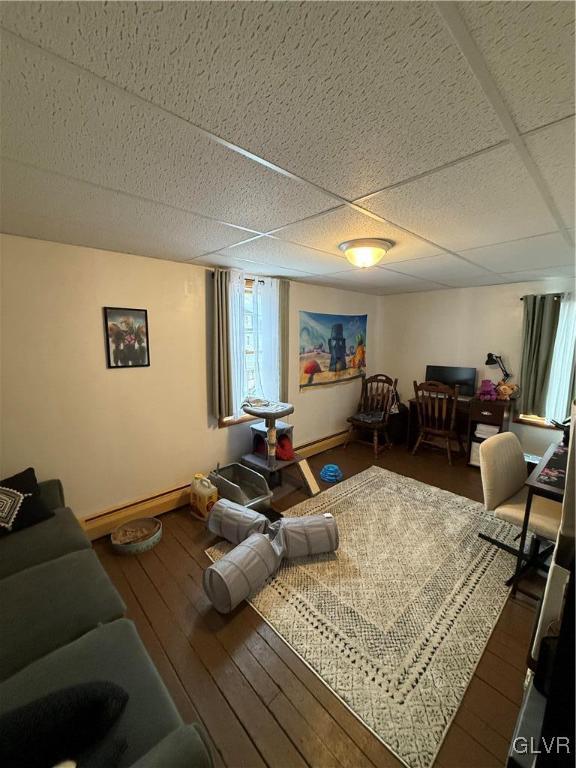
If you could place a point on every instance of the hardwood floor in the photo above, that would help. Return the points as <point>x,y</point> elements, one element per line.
<point>259,703</point>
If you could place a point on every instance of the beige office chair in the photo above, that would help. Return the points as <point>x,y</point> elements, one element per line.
<point>504,473</point>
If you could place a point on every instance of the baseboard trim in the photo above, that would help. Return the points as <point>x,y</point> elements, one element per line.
<point>324,444</point>
<point>104,523</point>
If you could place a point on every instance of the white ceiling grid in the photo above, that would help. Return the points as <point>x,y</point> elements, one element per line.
<point>261,135</point>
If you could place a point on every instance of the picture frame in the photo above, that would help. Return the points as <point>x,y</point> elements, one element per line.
<point>126,337</point>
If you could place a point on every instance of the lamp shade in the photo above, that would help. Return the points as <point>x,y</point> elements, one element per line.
<point>491,359</point>
<point>366,251</point>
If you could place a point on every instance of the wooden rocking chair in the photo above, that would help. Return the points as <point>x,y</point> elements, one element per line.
<point>376,401</point>
<point>436,405</point>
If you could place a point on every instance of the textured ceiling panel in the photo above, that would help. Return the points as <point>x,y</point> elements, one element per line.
<point>276,253</point>
<point>529,49</point>
<point>50,207</point>
<point>353,96</point>
<point>65,120</point>
<point>486,199</point>
<point>446,269</point>
<point>544,251</point>
<point>379,280</point>
<point>540,274</point>
<point>329,229</point>
<point>251,267</point>
<point>553,151</point>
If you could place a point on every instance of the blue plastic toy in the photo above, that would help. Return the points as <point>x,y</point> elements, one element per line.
<point>331,473</point>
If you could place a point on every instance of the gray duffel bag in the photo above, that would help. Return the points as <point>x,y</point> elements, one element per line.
<point>241,572</point>
<point>234,522</point>
<point>302,536</point>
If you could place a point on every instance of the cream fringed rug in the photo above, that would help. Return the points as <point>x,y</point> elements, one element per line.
<point>396,621</point>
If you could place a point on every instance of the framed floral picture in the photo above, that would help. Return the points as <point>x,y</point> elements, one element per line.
<point>127,343</point>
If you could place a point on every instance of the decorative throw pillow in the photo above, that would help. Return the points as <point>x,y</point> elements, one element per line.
<point>63,725</point>
<point>20,502</point>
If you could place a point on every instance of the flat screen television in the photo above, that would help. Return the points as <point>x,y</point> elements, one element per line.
<point>448,374</point>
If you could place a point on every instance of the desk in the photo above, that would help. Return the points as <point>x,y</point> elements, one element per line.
<point>547,479</point>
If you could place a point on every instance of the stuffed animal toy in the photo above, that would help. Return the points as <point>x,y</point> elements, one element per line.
<point>487,390</point>
<point>506,391</point>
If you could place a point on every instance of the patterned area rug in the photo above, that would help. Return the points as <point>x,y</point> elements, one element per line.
<point>396,621</point>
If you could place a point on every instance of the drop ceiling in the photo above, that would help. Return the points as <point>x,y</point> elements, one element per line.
<point>261,135</point>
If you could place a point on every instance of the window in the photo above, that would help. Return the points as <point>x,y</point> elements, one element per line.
<point>254,338</point>
<point>561,385</point>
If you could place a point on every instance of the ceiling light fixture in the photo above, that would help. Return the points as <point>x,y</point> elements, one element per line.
<point>366,251</point>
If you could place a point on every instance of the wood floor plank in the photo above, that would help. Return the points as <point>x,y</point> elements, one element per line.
<point>491,707</point>
<point>505,678</point>
<point>349,751</point>
<point>219,719</point>
<point>181,699</point>
<point>265,732</point>
<point>319,723</point>
<point>483,733</point>
<point>460,750</point>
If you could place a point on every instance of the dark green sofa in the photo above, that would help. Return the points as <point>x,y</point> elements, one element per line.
<point>62,623</point>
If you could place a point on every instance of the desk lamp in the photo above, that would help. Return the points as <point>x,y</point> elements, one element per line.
<point>492,359</point>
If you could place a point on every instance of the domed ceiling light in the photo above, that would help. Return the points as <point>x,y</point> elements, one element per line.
<point>365,251</point>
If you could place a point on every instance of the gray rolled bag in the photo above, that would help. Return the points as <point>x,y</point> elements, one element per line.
<point>303,536</point>
<point>241,572</point>
<point>234,522</point>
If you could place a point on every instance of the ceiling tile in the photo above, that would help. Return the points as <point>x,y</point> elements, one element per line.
<point>276,253</point>
<point>485,199</point>
<point>51,207</point>
<point>531,253</point>
<point>65,120</point>
<point>327,230</point>
<point>553,151</point>
<point>353,96</point>
<point>251,267</point>
<point>446,269</point>
<point>380,280</point>
<point>540,274</point>
<point>529,49</point>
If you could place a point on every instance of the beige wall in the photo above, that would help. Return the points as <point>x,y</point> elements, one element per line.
<point>114,436</point>
<point>458,327</point>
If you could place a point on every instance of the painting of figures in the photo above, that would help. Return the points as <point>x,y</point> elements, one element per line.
<point>332,348</point>
<point>126,337</point>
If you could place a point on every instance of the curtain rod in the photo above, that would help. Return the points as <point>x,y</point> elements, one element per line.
<point>556,295</point>
<point>262,282</point>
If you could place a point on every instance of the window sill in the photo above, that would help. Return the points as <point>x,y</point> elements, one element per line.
<point>534,421</point>
<point>230,421</point>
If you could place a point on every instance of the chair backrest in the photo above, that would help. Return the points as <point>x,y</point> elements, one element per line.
<point>436,404</point>
<point>378,394</point>
<point>503,468</point>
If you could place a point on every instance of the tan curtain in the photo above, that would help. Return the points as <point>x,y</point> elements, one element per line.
<point>221,376</point>
<point>541,315</point>
<point>284,333</point>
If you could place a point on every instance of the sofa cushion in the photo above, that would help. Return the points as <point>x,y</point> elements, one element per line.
<point>21,504</point>
<point>66,724</point>
<point>186,747</point>
<point>51,604</point>
<point>48,540</point>
<point>110,652</point>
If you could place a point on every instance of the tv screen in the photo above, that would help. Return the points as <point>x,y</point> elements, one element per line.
<point>448,374</point>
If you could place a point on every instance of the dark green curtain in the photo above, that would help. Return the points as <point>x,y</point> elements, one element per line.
<point>221,376</point>
<point>541,315</point>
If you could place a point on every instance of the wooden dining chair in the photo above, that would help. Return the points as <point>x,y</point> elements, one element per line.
<point>376,400</point>
<point>436,405</point>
